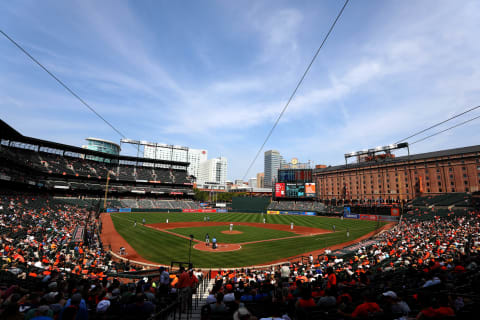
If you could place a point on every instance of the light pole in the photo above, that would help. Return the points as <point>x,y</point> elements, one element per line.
<point>190,250</point>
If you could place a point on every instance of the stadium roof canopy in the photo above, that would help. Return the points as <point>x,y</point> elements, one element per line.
<point>10,134</point>
<point>413,157</point>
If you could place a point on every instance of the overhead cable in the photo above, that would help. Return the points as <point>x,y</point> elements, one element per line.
<point>295,90</point>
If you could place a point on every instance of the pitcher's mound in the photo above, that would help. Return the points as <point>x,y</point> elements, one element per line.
<point>221,247</point>
<point>232,232</point>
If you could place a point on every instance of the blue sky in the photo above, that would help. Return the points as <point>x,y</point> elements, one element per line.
<point>216,74</point>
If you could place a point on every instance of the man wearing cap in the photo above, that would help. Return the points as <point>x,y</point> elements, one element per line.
<point>164,281</point>
<point>229,296</point>
<point>207,240</point>
<point>394,305</point>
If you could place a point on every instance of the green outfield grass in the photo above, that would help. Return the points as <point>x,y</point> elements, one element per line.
<point>163,248</point>
<point>249,233</point>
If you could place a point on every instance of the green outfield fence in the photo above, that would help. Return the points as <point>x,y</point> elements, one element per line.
<point>250,204</point>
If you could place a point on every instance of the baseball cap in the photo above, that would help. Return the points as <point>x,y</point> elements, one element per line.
<point>103,305</point>
<point>390,294</point>
<point>241,313</point>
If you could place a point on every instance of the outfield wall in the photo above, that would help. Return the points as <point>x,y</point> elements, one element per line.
<point>220,210</point>
<point>295,213</point>
<point>142,210</point>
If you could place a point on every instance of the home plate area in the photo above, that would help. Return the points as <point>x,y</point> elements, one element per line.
<point>232,232</point>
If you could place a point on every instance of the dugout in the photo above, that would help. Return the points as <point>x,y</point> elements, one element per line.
<point>250,204</point>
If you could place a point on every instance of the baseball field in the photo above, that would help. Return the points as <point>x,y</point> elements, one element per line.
<point>252,240</point>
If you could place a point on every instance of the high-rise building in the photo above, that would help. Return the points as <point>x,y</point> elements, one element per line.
<point>175,153</point>
<point>252,182</point>
<point>272,162</point>
<point>212,173</point>
<point>260,180</point>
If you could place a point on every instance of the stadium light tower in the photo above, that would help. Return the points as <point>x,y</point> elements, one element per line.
<point>373,151</point>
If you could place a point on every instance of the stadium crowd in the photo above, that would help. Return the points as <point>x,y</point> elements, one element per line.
<point>53,266</point>
<point>418,269</point>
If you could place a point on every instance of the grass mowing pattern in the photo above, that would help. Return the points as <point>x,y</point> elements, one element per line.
<point>249,233</point>
<point>163,248</point>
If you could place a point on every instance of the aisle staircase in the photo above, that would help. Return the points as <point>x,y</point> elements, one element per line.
<point>199,299</point>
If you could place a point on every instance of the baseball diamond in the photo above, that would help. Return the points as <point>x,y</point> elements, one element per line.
<point>258,244</point>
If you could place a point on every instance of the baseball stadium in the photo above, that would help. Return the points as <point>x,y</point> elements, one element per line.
<point>153,160</point>
<point>83,215</point>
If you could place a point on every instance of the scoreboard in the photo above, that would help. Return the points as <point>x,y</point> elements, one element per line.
<point>295,190</point>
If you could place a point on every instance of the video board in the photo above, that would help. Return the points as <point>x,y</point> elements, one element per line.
<point>294,190</point>
<point>310,190</point>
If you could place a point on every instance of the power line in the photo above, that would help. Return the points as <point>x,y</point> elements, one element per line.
<point>62,84</point>
<point>295,90</point>
<point>452,127</point>
<point>436,125</point>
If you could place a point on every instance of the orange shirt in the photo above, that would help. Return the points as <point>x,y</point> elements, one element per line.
<point>332,280</point>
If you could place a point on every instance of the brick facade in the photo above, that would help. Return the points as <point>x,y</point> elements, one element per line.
<point>403,178</point>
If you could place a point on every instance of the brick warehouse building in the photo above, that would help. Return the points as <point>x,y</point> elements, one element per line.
<point>402,178</point>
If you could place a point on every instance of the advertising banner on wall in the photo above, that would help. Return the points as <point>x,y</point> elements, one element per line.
<point>295,213</point>
<point>200,210</point>
<point>222,210</point>
<point>350,215</point>
<point>370,217</point>
<point>279,190</point>
<point>388,218</point>
<point>125,210</point>
<point>112,210</point>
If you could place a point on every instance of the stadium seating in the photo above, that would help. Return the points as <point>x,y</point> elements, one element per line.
<point>69,166</point>
<point>443,200</point>
<point>297,206</point>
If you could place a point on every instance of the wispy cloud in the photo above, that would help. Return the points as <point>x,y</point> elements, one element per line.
<point>382,76</point>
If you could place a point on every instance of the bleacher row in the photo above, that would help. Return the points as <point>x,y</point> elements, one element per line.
<point>70,166</point>
<point>153,204</point>
<point>297,206</point>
